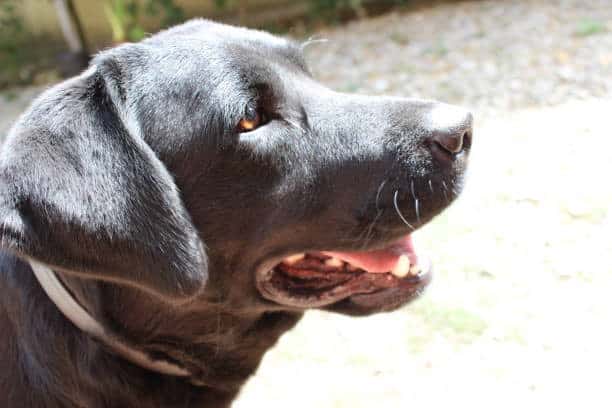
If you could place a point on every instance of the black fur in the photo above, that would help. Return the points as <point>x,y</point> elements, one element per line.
<point>133,184</point>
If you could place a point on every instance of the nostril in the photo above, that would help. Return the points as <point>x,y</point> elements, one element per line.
<point>452,142</point>
<point>467,139</point>
<point>449,130</point>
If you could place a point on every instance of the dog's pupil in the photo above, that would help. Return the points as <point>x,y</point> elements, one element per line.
<point>251,120</point>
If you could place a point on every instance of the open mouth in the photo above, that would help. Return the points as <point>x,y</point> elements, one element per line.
<point>393,274</point>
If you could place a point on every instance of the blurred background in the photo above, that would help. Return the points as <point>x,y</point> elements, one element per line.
<point>520,310</point>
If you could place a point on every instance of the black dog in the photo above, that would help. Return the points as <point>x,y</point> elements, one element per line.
<point>169,213</point>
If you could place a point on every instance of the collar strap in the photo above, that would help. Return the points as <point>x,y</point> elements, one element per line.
<point>74,312</point>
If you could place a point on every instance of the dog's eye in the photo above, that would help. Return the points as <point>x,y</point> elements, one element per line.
<point>251,121</point>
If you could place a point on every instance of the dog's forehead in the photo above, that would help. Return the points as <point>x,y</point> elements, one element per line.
<point>235,34</point>
<point>220,38</point>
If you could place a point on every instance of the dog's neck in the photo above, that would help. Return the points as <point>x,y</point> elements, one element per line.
<point>199,343</point>
<point>82,319</point>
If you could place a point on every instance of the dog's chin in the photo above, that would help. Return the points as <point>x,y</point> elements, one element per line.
<point>355,283</point>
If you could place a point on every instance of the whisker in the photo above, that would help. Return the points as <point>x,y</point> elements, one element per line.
<point>370,229</point>
<point>311,41</point>
<point>352,238</point>
<point>362,235</point>
<point>416,201</point>
<point>444,191</point>
<point>398,210</point>
<point>380,188</point>
<point>455,188</point>
<point>431,186</point>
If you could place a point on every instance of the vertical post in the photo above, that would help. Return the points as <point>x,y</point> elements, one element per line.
<point>71,26</point>
<point>74,61</point>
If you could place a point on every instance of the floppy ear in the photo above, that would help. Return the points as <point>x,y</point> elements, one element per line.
<point>81,191</point>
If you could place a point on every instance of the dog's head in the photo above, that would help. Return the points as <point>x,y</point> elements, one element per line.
<point>207,159</point>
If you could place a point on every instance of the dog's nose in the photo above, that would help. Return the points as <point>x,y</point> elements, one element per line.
<point>450,129</point>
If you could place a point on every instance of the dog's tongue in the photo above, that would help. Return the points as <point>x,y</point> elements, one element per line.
<point>382,260</point>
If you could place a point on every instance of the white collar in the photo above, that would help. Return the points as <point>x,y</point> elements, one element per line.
<point>74,312</point>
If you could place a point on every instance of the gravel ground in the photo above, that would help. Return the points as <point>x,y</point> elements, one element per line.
<point>488,55</point>
<point>519,312</point>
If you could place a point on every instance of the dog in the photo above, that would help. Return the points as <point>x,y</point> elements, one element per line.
<point>167,214</point>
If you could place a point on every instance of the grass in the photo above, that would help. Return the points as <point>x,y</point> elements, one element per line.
<point>590,27</point>
<point>9,95</point>
<point>456,322</point>
<point>350,87</point>
<point>439,49</point>
<point>24,64</point>
<point>399,38</point>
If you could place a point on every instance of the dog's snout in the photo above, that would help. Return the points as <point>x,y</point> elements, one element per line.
<point>450,129</point>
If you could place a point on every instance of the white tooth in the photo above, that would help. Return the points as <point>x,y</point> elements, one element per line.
<point>415,270</point>
<point>293,259</point>
<point>334,262</point>
<point>402,267</point>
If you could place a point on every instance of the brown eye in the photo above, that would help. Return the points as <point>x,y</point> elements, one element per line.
<point>251,121</point>
<point>246,125</point>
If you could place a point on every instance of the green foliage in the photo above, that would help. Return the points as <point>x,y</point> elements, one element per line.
<point>21,62</point>
<point>11,35</point>
<point>11,28</point>
<point>336,9</point>
<point>336,4</point>
<point>170,13</point>
<point>125,16</point>
<point>330,10</point>
<point>221,4</point>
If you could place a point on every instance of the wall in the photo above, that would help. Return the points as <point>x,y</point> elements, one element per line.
<point>40,18</point>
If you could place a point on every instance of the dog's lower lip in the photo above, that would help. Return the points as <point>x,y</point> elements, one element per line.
<point>318,279</point>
